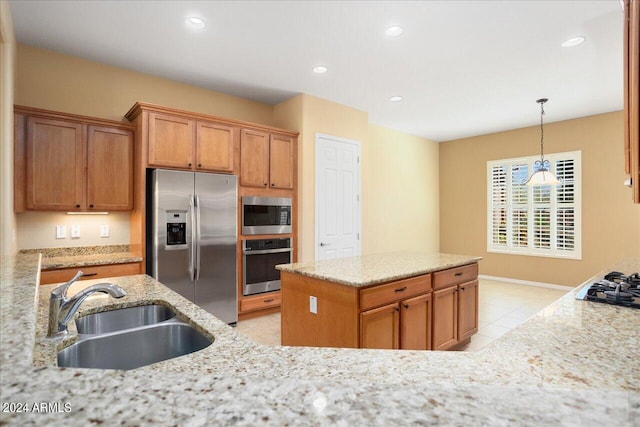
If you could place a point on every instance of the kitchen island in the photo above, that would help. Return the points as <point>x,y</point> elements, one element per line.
<point>548,371</point>
<point>399,300</point>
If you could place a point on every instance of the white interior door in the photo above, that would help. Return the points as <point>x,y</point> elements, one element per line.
<point>337,197</point>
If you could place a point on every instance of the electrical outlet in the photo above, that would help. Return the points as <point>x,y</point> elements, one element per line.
<point>313,305</point>
<point>75,231</point>
<point>104,231</point>
<point>61,232</point>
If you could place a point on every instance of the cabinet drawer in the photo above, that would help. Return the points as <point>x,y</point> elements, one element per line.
<point>453,276</point>
<point>271,299</point>
<point>90,272</point>
<point>395,291</point>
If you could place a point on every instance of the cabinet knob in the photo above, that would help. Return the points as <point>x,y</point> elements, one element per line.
<point>401,289</point>
<point>406,306</point>
<point>77,206</point>
<point>90,206</point>
<point>272,184</point>
<point>396,309</point>
<point>268,300</point>
<point>189,164</point>
<point>265,184</point>
<point>199,165</point>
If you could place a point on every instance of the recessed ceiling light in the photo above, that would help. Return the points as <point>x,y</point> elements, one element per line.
<point>320,69</point>
<point>393,31</point>
<point>395,99</point>
<point>195,22</point>
<point>573,41</point>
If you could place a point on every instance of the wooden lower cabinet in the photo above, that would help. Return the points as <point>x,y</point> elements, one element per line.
<point>467,309</point>
<point>380,327</point>
<point>260,302</point>
<point>455,314</point>
<point>405,325</point>
<point>445,318</point>
<point>402,314</point>
<point>90,272</point>
<point>415,323</point>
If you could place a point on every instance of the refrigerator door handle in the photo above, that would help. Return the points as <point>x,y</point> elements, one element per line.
<point>192,248</point>
<point>198,237</point>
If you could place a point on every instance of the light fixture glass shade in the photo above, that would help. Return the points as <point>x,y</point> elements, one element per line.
<point>542,177</point>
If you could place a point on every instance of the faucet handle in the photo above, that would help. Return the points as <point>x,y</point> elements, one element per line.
<point>61,290</point>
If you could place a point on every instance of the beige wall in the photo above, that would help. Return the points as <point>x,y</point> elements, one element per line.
<point>401,203</point>
<point>310,115</point>
<point>8,239</point>
<point>63,83</point>
<point>38,229</point>
<point>610,222</point>
<point>58,82</point>
<point>54,81</point>
<point>399,176</point>
<point>326,117</point>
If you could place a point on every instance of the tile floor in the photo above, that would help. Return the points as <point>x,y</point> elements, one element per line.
<point>502,307</point>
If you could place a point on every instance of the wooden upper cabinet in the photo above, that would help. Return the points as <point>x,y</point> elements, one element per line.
<point>171,141</point>
<point>214,147</point>
<point>281,162</point>
<point>254,158</point>
<point>67,162</point>
<point>266,160</point>
<point>55,164</point>
<point>109,169</point>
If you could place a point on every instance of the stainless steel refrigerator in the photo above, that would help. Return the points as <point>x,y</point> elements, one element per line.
<point>192,238</point>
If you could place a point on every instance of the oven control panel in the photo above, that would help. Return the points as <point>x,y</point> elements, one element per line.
<point>266,244</point>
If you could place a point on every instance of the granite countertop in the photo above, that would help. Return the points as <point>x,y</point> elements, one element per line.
<point>82,256</point>
<point>372,269</point>
<point>548,371</point>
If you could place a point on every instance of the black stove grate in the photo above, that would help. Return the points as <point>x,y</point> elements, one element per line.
<point>616,289</point>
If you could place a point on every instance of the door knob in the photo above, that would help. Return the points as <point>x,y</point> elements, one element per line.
<point>324,244</point>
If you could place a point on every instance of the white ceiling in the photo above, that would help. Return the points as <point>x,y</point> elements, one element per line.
<point>463,67</point>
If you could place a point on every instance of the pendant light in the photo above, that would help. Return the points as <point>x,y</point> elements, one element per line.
<point>543,176</point>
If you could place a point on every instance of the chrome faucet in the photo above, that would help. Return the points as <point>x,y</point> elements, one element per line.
<point>62,309</point>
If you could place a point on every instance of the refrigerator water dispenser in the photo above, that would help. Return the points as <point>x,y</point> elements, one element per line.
<point>177,229</point>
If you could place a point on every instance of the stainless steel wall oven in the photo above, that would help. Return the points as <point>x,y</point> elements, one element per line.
<point>259,260</point>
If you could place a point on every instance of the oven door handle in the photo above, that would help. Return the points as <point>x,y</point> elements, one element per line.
<point>266,251</point>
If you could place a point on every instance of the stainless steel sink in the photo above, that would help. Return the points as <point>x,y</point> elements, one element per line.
<point>133,348</point>
<point>125,318</point>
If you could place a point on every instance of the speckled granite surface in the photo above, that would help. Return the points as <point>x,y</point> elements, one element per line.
<point>371,269</point>
<point>549,371</point>
<point>82,256</point>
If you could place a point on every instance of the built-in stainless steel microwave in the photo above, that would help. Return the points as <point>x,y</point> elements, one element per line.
<point>266,215</point>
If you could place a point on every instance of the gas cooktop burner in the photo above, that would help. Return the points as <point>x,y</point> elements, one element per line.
<point>617,289</point>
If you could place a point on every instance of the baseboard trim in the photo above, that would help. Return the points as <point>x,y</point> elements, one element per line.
<point>527,282</point>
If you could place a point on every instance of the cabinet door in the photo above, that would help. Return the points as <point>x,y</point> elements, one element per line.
<point>445,318</point>
<point>281,162</point>
<point>109,169</point>
<point>254,158</point>
<point>467,309</point>
<point>55,164</point>
<point>415,323</point>
<point>214,147</point>
<point>379,328</point>
<point>171,141</point>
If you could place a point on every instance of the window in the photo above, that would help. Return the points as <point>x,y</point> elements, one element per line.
<point>538,220</point>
